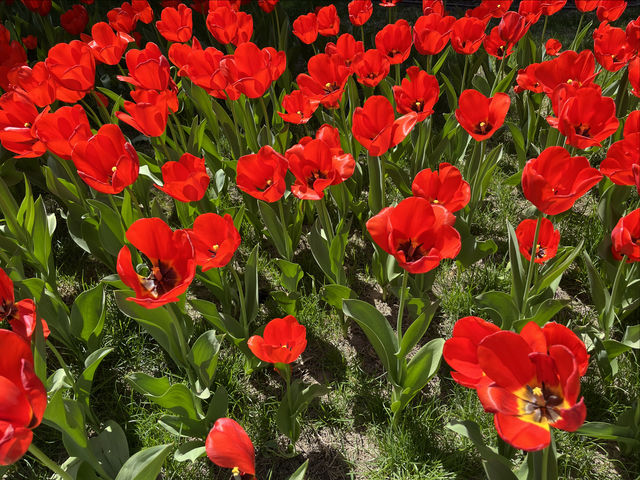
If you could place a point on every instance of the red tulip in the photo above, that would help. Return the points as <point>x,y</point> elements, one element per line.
<point>418,93</point>
<point>611,48</point>
<point>388,3</point>
<point>632,124</point>
<point>185,180</point>
<point>229,26</point>
<point>325,81</point>
<point>215,239</point>
<point>625,237</point>
<point>548,239</point>
<point>20,315</point>
<point>24,398</point>
<point>431,33</point>
<point>495,46</point>
<point>106,161</point>
<point>555,180</point>
<point>73,67</point>
<point>633,34</point>
<point>202,67</point>
<point>529,390</point>
<point>171,255</point>
<point>586,5</point>
<point>305,27</point>
<point>229,446</point>
<point>432,6</point>
<point>17,116</point>
<point>377,129</point>
<point>622,164</point>
<point>395,41</point>
<point>346,50</point>
<point>371,67</point>
<point>481,116</point>
<point>41,7</point>
<point>232,4</point>
<point>527,80</point>
<point>328,21</point>
<point>531,10</point>
<point>74,20</point>
<point>549,7</point>
<point>267,5</point>
<point>634,76</point>
<point>106,45</point>
<point>512,27</point>
<point>569,67</point>
<point>299,107</point>
<point>251,70</point>
<point>587,118</point>
<point>460,351</point>
<point>444,187</point>
<point>467,34</point>
<point>176,24</point>
<point>122,19</point>
<point>30,42</point>
<point>148,69</point>
<point>418,234</point>
<point>611,10</point>
<point>149,113</point>
<point>283,341</point>
<point>360,11</point>
<point>262,175</point>
<point>552,47</point>
<point>61,130</point>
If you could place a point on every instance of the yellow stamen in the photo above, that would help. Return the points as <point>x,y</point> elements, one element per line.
<point>27,124</point>
<point>215,247</point>
<point>113,169</point>
<point>537,391</point>
<point>482,124</point>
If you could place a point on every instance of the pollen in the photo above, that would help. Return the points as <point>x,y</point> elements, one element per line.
<point>537,391</point>
<point>235,472</point>
<point>299,112</point>
<point>482,124</point>
<point>569,81</point>
<point>215,247</point>
<point>27,124</point>
<point>113,169</point>
<point>269,182</point>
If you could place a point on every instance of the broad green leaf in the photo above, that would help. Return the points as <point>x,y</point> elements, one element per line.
<point>599,292</point>
<point>204,356</point>
<point>277,231</point>
<point>632,336</point>
<point>556,267</point>
<point>83,384</point>
<point>176,398</point>
<point>608,431</point>
<point>417,329</point>
<point>543,312</point>
<point>300,472</point>
<point>334,294</point>
<point>291,274</point>
<point>112,233</point>
<point>190,451</point>
<point>217,407</point>
<point>518,273</point>
<point>88,315</point>
<point>251,285</point>
<point>224,323</point>
<point>500,306</point>
<point>320,251</point>
<point>421,368</point>
<point>110,448</point>
<point>378,331</point>
<point>145,465</point>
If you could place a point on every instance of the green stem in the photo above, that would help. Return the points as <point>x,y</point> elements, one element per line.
<point>621,94</point>
<point>47,462</point>
<point>183,142</point>
<point>325,220</point>
<point>614,293</point>
<point>91,112</point>
<point>545,463</point>
<point>532,261</point>
<point>464,72</point>
<point>264,112</point>
<point>375,195</point>
<point>135,202</point>
<point>544,29</point>
<point>498,75</point>
<point>575,47</point>
<point>285,227</point>
<point>103,111</point>
<point>362,33</point>
<point>405,279</point>
<point>243,308</point>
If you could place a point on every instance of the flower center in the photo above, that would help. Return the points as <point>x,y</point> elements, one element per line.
<point>482,128</point>
<point>330,87</point>
<point>7,310</point>
<point>315,175</point>
<point>540,251</point>
<point>412,250</point>
<point>161,279</point>
<point>214,250</point>
<point>542,403</point>
<point>583,130</point>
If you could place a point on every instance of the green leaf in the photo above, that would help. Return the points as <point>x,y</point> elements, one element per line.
<point>334,295</point>
<point>472,250</point>
<point>632,336</point>
<point>556,267</point>
<point>112,234</point>
<point>518,273</point>
<point>83,384</point>
<point>504,84</point>
<point>66,416</point>
<point>88,315</point>
<point>543,313</point>
<point>277,231</point>
<point>217,407</point>
<point>145,465</point>
<point>518,141</point>
<point>224,323</point>
<point>190,451</point>
<point>417,329</point>
<point>176,398</point>
<point>608,431</point>
<point>440,62</point>
<point>110,448</point>
<point>300,472</point>
<point>424,365</point>
<point>599,292</point>
<point>251,285</point>
<point>320,251</point>
<point>495,466</point>
<point>291,274</point>
<point>500,306</point>
<point>378,331</point>
<point>43,227</point>
<point>204,356</point>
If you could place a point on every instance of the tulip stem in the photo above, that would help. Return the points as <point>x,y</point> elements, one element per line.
<point>183,142</point>
<point>498,75</point>
<point>532,260</point>
<point>243,310</point>
<point>264,112</point>
<point>47,462</point>
<point>545,463</point>
<point>325,220</point>
<point>405,279</point>
<point>544,29</point>
<point>464,72</point>
<point>91,112</point>
<point>608,309</point>
<point>101,108</point>
<point>285,228</point>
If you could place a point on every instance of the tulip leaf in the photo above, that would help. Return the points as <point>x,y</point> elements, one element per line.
<point>88,315</point>
<point>504,84</point>
<point>599,292</point>
<point>518,141</point>
<point>204,356</point>
<point>277,231</point>
<point>496,466</point>
<point>145,465</point>
<point>334,295</point>
<point>83,384</point>
<point>111,448</point>
<point>608,431</point>
<point>320,251</point>
<point>251,285</point>
<point>300,473</point>
<point>421,368</point>
<point>543,313</point>
<point>177,397</point>
<point>535,464</point>
<point>112,234</point>
<point>472,250</point>
<point>217,407</point>
<point>291,274</point>
<point>378,331</point>
<point>632,336</point>
<point>441,59</point>
<point>190,451</point>
<point>556,267</point>
<point>225,323</point>
<point>501,307</point>
<point>417,329</point>
<point>518,273</point>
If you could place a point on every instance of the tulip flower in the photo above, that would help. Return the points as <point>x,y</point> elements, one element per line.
<point>185,180</point>
<point>251,70</point>
<point>555,180</point>
<point>148,69</point>
<point>371,67</point>
<point>262,175</point>
<point>149,113</point>
<point>632,124</point>
<point>176,24</point>
<point>432,6</point>
<point>41,7</point>
<point>215,239</point>
<point>12,55</point>
<point>552,47</point>
<point>74,20</point>
<point>418,93</point>
<point>431,33</point>
<point>24,398</point>
<point>202,67</point>
<point>495,46</point>
<point>267,6</point>
<point>611,48</point>
<point>395,41</point>
<point>625,237</point>
<point>444,187</point>
<point>527,80</point>
<point>512,27</point>
<point>326,80</point>
<point>21,315</point>
<point>305,27</point>
<point>481,116</point>
<point>634,76</point>
<point>328,21</point>
<point>548,239</point>
<point>61,130</point>
<point>633,34</point>
<point>360,11</point>
<point>17,116</point>
<point>106,45</point>
<point>34,83</point>
<point>346,50</point>
<point>298,107</point>
<point>530,381</point>
<point>569,67</point>
<point>30,42</point>
<point>282,341</point>
<point>106,161</point>
<point>418,234</point>
<point>229,446</point>
<point>171,255</point>
<point>230,26</point>
<point>622,164</point>
<point>377,129</point>
<point>610,10</point>
<point>467,34</point>
<point>532,10</point>
<point>73,67</point>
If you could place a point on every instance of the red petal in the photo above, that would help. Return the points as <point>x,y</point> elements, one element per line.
<point>229,446</point>
<point>504,357</point>
<point>522,434</point>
